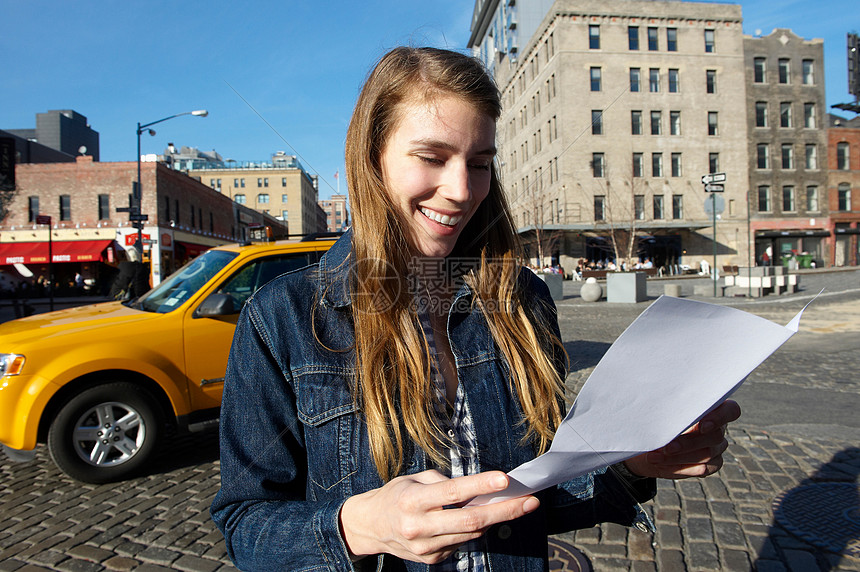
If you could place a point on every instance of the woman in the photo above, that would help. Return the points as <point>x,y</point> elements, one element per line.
<point>370,397</point>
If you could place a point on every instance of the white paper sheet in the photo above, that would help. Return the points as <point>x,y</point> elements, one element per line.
<point>676,362</point>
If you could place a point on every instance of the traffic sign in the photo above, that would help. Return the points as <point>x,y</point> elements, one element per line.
<point>138,217</point>
<point>713,178</point>
<point>43,219</point>
<point>712,188</point>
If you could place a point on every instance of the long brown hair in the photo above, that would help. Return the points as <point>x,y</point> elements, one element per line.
<point>392,360</point>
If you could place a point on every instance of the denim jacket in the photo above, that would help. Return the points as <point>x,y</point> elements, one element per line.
<point>294,447</point>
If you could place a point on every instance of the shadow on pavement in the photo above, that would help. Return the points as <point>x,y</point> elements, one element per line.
<point>584,354</point>
<point>823,511</point>
<point>180,451</point>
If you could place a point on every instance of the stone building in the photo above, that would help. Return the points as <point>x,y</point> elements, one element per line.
<point>786,121</point>
<point>613,112</point>
<point>843,189</point>
<point>87,234</point>
<point>281,187</point>
<point>63,130</point>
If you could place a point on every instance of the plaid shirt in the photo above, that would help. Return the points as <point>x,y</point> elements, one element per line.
<point>457,423</point>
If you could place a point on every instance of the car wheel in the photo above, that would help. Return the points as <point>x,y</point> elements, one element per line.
<point>104,433</point>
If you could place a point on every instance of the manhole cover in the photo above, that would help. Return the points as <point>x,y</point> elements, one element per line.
<point>564,557</point>
<point>826,515</point>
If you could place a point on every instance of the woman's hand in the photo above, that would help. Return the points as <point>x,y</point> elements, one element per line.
<point>406,517</point>
<point>695,453</point>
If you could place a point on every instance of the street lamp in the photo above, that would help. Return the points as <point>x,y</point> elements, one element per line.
<point>136,217</point>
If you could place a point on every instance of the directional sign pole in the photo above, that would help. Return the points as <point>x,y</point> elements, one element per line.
<point>714,210</point>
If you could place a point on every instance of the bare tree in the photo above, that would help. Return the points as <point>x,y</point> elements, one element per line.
<point>542,215</point>
<point>621,200</point>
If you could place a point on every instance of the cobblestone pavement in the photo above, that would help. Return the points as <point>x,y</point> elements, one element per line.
<point>728,522</point>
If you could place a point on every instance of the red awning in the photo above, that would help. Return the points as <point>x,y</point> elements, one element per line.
<point>192,250</point>
<point>62,251</point>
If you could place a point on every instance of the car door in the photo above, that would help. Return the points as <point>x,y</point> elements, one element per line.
<point>207,339</point>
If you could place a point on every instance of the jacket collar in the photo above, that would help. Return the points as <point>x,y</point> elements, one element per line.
<point>333,279</point>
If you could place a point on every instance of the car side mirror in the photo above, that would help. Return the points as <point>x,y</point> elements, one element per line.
<point>216,305</point>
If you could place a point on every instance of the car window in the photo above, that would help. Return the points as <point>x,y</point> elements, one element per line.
<point>183,283</point>
<point>257,273</point>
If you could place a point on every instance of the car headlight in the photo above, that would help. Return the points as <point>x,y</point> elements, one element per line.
<point>11,364</point>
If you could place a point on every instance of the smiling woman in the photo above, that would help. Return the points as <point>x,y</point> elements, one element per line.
<point>368,398</point>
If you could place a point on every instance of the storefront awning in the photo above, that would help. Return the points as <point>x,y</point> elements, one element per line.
<point>62,251</point>
<point>791,233</point>
<point>192,249</point>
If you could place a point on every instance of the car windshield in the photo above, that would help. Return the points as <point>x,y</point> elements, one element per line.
<point>183,283</point>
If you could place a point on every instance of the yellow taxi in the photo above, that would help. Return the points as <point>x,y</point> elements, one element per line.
<point>101,384</point>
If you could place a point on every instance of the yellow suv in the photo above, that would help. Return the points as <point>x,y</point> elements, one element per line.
<point>101,384</point>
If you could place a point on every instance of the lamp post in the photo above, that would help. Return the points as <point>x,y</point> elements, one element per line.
<point>137,218</point>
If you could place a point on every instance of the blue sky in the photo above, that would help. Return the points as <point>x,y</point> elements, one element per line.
<point>299,64</point>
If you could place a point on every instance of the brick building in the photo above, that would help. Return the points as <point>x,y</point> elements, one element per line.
<point>843,189</point>
<point>336,212</point>
<point>185,217</point>
<point>786,120</point>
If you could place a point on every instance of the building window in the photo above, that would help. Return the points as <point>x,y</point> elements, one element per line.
<point>633,37</point>
<point>654,80</point>
<point>236,183</point>
<point>785,114</point>
<point>266,182</point>
<point>242,183</point>
<point>808,72</point>
<point>284,198</point>
<point>787,199</point>
<point>594,37</point>
<point>674,123</point>
<point>759,70</point>
<point>240,199</point>
<point>639,207</point>
<point>32,208</point>
<point>713,129</point>
<point>104,207</point>
<point>599,207</point>
<point>595,79</point>
<point>596,122</point>
<point>674,81</point>
<point>764,199</point>
<point>711,81</point>
<point>714,162</point>
<point>672,39</point>
<point>811,156</point>
<point>653,43</point>
<point>784,70</point>
<point>65,207</point>
<point>762,156</point>
<point>710,47</point>
<point>809,115</point>
<point>656,123</point>
<point>635,78</point>
<point>176,211</point>
<point>638,165</point>
<point>192,216</point>
<point>761,114</point>
<point>167,209</point>
<point>842,162</point>
<point>844,197</point>
<point>787,156</point>
<point>812,198</point>
<point>676,165</point>
<point>677,207</point>
<point>656,164</point>
<point>636,122</point>
<point>211,222</point>
<point>200,218</point>
<point>259,182</point>
<point>263,198</point>
<point>658,206</point>
<point>598,166</point>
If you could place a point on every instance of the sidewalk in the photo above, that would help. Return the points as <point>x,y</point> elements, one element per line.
<point>786,499</point>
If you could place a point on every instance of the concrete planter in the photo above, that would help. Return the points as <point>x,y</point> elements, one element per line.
<point>554,283</point>
<point>626,287</point>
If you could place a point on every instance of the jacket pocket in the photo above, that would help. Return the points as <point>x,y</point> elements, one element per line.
<point>328,413</point>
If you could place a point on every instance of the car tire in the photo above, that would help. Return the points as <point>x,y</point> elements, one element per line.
<point>104,433</point>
